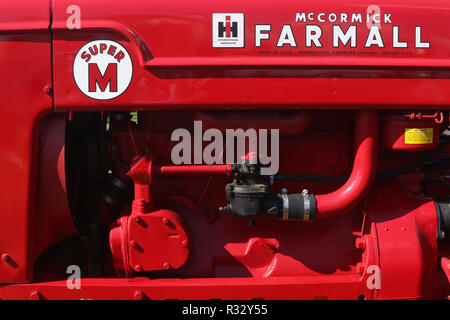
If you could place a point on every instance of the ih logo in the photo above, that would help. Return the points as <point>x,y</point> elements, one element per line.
<point>102,69</point>
<point>228,30</point>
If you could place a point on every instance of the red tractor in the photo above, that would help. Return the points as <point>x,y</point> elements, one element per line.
<point>247,150</point>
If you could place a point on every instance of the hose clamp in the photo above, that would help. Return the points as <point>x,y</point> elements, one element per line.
<point>285,199</point>
<point>306,206</point>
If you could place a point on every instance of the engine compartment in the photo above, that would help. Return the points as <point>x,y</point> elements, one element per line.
<point>149,218</point>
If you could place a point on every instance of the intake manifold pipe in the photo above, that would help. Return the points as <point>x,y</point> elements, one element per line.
<point>306,206</point>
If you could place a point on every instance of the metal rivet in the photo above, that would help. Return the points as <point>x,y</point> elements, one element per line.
<point>360,243</point>
<point>166,266</point>
<point>165,220</point>
<point>47,90</point>
<point>35,295</point>
<point>360,267</point>
<point>138,295</point>
<point>138,268</point>
<point>136,219</point>
<point>184,244</point>
<point>5,257</point>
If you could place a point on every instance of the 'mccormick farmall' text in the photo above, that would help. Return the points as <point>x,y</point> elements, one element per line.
<point>344,30</point>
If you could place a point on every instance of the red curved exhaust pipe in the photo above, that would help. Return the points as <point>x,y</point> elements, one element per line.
<point>364,169</point>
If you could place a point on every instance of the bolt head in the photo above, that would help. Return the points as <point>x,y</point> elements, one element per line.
<point>360,267</point>
<point>138,268</point>
<point>35,295</point>
<point>184,244</point>
<point>47,90</point>
<point>165,220</point>
<point>360,243</point>
<point>5,257</point>
<point>133,244</point>
<point>166,266</point>
<point>138,295</point>
<point>136,219</point>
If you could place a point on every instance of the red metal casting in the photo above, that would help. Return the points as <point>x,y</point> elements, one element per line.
<point>445,264</point>
<point>148,242</point>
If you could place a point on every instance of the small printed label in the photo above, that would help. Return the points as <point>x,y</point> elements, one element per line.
<point>418,135</point>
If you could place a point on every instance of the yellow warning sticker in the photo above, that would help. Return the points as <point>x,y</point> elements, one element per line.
<point>418,135</point>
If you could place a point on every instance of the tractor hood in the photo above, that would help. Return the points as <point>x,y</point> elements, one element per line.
<point>260,53</point>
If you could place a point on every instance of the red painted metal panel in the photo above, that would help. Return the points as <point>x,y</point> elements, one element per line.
<point>176,66</point>
<point>26,70</point>
<point>406,233</point>
<point>52,207</point>
<point>289,288</point>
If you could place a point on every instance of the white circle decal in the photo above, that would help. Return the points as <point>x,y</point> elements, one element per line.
<point>102,69</point>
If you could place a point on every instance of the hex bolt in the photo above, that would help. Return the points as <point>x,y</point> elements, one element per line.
<point>136,219</point>
<point>35,295</point>
<point>138,295</point>
<point>360,267</point>
<point>165,220</point>
<point>360,243</point>
<point>47,90</point>
<point>138,268</point>
<point>166,266</point>
<point>184,243</point>
<point>5,257</point>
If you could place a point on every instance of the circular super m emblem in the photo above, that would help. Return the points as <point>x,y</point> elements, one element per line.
<point>102,69</point>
